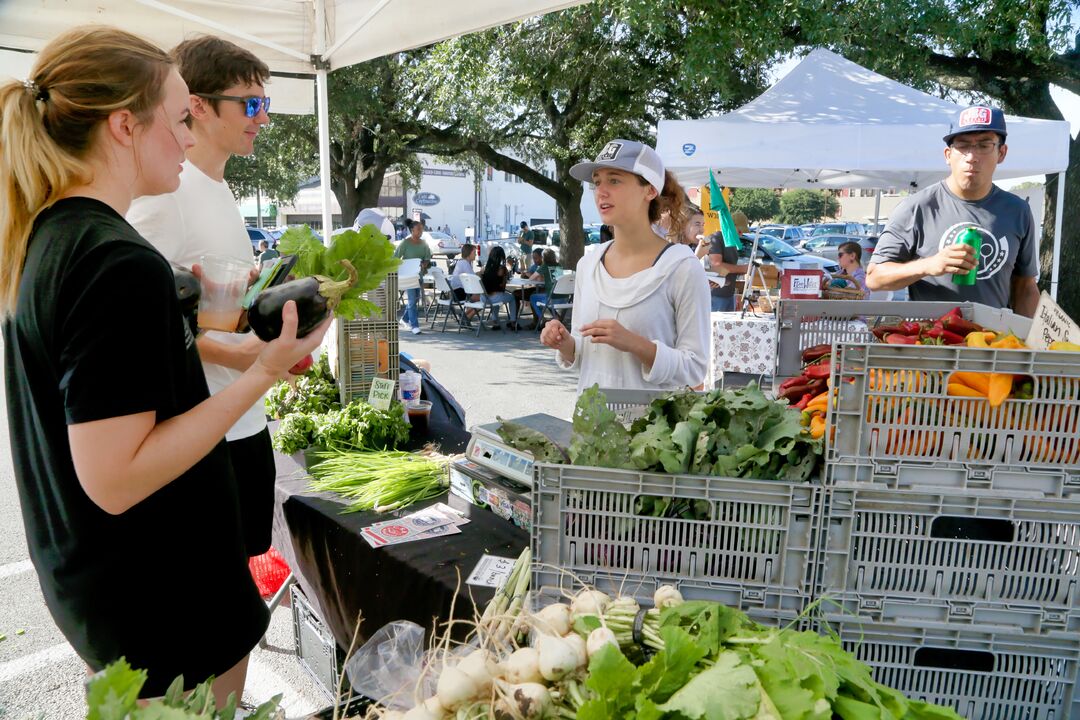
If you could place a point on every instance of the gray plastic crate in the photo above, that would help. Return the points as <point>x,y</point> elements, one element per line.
<point>895,423</point>
<point>755,552</point>
<point>316,648</point>
<point>974,558</point>
<point>806,323</point>
<point>368,348</point>
<point>983,675</point>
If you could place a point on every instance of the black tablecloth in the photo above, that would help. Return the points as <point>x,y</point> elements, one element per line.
<point>343,576</point>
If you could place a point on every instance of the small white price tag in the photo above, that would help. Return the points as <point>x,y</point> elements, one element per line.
<point>491,571</point>
<point>1051,324</point>
<point>382,392</point>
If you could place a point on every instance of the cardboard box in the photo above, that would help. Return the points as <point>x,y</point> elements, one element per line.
<point>506,498</point>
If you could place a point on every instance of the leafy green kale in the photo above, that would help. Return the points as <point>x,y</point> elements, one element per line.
<point>113,694</point>
<point>368,250</point>
<point>356,426</point>
<point>315,391</point>
<point>540,446</point>
<point>600,440</point>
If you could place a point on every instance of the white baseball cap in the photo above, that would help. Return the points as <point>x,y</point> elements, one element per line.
<point>628,155</point>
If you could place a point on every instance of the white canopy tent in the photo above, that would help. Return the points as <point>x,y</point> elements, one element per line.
<point>294,37</point>
<point>831,123</point>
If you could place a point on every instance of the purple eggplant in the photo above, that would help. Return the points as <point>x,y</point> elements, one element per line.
<point>315,297</point>
<point>188,292</point>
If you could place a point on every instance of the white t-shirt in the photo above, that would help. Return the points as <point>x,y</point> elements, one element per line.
<point>201,218</point>
<point>461,267</point>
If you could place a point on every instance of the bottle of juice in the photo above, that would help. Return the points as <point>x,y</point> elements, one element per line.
<point>971,237</point>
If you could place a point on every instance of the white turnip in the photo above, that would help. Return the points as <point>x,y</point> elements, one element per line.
<point>554,619</point>
<point>479,666</point>
<point>589,602</point>
<point>426,710</point>
<point>578,644</point>
<point>598,638</point>
<point>667,596</point>
<point>523,666</point>
<point>455,688</point>
<point>557,657</point>
<point>530,701</point>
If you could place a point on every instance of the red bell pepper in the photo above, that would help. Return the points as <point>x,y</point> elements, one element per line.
<point>901,339</point>
<point>882,330</point>
<point>954,313</point>
<point>946,336</point>
<point>801,405</point>
<point>910,327</point>
<point>960,326</point>
<point>819,371</point>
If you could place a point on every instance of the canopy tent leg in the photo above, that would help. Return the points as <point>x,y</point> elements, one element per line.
<point>877,208</point>
<point>322,109</point>
<point>1059,208</point>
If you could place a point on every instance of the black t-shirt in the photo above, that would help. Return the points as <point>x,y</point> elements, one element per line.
<point>97,333</point>
<point>730,256</point>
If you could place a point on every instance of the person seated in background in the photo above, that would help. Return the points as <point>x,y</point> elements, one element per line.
<point>463,266</point>
<point>548,272</point>
<point>494,278</point>
<point>853,275</point>
<point>534,266</point>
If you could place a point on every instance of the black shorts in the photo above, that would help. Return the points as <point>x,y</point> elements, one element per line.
<point>459,293</point>
<point>253,465</point>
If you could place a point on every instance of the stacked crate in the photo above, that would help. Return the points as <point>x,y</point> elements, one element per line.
<point>368,348</point>
<point>951,530</point>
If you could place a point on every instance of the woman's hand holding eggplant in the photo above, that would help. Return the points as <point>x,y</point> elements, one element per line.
<point>287,350</point>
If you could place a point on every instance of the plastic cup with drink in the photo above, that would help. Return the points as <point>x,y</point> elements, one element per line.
<point>224,282</point>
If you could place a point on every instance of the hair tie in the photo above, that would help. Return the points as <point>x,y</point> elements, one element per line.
<point>39,93</point>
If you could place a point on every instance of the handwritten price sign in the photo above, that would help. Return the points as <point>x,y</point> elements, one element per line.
<point>1051,324</point>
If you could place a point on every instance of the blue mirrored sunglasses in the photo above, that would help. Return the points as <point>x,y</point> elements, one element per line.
<point>252,105</point>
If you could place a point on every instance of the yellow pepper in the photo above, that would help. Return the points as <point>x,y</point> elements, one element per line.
<point>974,380</point>
<point>979,339</point>
<point>1063,345</point>
<point>1008,342</point>
<point>961,390</point>
<point>817,427</point>
<point>1000,388</point>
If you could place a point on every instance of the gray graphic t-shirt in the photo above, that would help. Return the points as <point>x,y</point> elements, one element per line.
<point>930,220</point>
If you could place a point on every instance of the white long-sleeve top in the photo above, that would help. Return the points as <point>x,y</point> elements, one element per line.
<point>667,303</point>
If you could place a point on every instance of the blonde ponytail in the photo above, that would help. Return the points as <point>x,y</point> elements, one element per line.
<point>47,127</point>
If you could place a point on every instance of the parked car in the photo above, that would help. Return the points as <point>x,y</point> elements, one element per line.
<point>552,238</point>
<point>257,235</point>
<point>509,246</point>
<point>439,243</point>
<point>827,245</point>
<point>773,251</point>
<point>839,228</point>
<point>789,233</point>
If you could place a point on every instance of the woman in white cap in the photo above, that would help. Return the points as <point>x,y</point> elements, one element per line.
<point>641,304</point>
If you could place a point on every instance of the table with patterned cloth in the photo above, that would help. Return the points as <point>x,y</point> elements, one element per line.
<point>742,345</point>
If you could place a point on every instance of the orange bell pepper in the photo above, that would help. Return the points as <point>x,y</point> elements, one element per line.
<point>979,339</point>
<point>974,380</point>
<point>961,390</point>
<point>1008,342</point>
<point>817,427</point>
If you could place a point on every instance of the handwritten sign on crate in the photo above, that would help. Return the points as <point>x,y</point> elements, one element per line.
<point>1051,324</point>
<point>382,392</point>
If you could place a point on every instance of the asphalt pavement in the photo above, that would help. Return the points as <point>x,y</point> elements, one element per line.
<point>501,373</point>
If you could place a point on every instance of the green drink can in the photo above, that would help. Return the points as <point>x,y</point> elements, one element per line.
<point>971,237</point>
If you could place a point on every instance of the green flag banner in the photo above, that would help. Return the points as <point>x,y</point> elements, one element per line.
<point>727,223</point>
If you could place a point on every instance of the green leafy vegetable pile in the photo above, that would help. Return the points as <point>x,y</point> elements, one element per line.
<point>729,433</point>
<point>113,694</point>
<point>367,249</point>
<point>315,391</point>
<point>356,426</point>
<point>714,663</point>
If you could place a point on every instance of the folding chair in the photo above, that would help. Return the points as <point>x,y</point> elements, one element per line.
<point>472,285</point>
<point>564,289</point>
<point>445,298</point>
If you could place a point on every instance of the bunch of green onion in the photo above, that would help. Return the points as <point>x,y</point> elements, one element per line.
<point>499,616</point>
<point>380,480</point>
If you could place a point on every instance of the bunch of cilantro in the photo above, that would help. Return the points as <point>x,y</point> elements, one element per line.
<point>113,694</point>
<point>729,433</point>
<point>370,253</point>
<point>315,391</point>
<point>357,426</point>
<point>716,664</point>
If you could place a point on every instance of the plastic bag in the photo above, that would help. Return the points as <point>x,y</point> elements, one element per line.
<point>388,666</point>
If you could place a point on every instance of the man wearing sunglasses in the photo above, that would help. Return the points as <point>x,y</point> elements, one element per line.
<point>228,108</point>
<point>919,249</point>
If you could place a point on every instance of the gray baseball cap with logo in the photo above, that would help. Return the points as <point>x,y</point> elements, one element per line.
<point>628,155</point>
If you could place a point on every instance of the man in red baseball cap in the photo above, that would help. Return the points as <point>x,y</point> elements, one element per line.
<point>919,250</point>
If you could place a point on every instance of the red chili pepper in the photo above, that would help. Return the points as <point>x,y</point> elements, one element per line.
<point>801,405</point>
<point>800,380</point>
<point>910,327</point>
<point>901,339</point>
<point>795,391</point>
<point>954,313</point>
<point>882,330</point>
<point>811,354</point>
<point>960,326</point>
<point>817,372</point>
